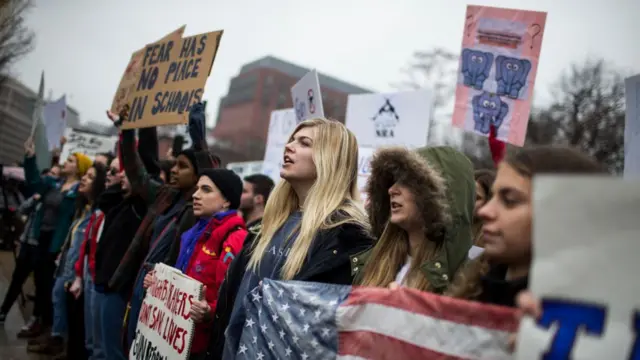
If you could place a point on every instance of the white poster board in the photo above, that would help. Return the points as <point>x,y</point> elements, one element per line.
<point>585,270</point>
<point>86,143</point>
<point>307,98</point>
<point>390,119</point>
<point>54,115</point>
<point>281,126</point>
<point>632,128</point>
<point>165,329</point>
<point>364,169</point>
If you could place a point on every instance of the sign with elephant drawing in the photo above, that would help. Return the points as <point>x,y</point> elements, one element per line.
<point>498,66</point>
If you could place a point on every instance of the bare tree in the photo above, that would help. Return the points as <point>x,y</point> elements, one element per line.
<point>15,39</point>
<point>588,113</point>
<point>436,70</point>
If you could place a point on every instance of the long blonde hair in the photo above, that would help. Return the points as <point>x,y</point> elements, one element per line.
<point>390,253</point>
<point>335,154</point>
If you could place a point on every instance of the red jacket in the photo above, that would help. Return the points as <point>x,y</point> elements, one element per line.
<point>209,265</point>
<point>90,241</point>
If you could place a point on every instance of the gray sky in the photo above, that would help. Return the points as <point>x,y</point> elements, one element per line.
<point>84,46</point>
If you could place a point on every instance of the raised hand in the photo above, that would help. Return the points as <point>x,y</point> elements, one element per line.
<point>29,147</point>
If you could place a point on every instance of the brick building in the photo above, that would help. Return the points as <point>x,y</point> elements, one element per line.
<point>262,86</point>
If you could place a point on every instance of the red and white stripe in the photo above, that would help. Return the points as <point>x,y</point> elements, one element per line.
<point>409,324</point>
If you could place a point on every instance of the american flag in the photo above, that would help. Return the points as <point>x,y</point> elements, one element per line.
<point>301,320</point>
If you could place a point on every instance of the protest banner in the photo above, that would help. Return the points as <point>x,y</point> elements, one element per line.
<point>281,126</point>
<point>498,66</point>
<point>86,143</point>
<point>585,270</point>
<point>632,128</point>
<point>307,97</point>
<point>390,119</point>
<point>165,328</point>
<point>172,76</point>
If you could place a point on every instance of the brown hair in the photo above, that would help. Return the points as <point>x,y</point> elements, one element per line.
<point>528,163</point>
<point>485,178</point>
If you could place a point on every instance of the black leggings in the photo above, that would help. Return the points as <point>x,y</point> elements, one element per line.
<point>43,278</point>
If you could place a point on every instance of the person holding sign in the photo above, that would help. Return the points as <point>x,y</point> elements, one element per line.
<point>312,223</point>
<point>169,209</point>
<point>502,271</point>
<point>421,211</point>
<point>207,249</point>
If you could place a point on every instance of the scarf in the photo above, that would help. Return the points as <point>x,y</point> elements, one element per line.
<point>190,238</point>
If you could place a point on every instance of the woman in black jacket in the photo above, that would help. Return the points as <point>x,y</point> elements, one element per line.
<point>312,222</point>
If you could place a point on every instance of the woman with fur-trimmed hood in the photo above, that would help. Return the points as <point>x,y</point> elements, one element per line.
<point>421,210</point>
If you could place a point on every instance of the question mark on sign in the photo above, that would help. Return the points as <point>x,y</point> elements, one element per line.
<point>536,33</point>
<point>469,24</point>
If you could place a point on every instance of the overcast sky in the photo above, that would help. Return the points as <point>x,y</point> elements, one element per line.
<point>84,46</point>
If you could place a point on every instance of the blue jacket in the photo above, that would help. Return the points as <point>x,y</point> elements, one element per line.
<point>42,185</point>
<point>71,248</point>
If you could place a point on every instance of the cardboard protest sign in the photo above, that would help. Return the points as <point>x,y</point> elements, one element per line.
<point>390,119</point>
<point>281,126</point>
<point>632,128</point>
<point>165,328</point>
<point>86,143</point>
<point>307,97</point>
<point>498,66</point>
<point>172,76</point>
<point>585,270</point>
<point>131,75</point>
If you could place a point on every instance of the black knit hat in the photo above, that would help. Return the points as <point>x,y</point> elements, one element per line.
<point>191,155</point>
<point>228,182</point>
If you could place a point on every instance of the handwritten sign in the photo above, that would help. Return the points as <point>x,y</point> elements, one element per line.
<point>498,66</point>
<point>86,143</point>
<point>632,128</point>
<point>281,126</point>
<point>170,76</point>
<point>585,270</point>
<point>165,329</point>
<point>307,98</point>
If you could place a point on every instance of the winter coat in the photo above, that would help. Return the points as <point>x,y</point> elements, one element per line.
<point>214,251</point>
<point>451,221</point>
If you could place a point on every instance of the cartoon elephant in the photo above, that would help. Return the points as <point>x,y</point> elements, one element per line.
<point>511,75</point>
<point>476,66</point>
<point>488,109</point>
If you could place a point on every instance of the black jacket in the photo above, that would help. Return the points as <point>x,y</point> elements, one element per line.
<point>497,290</point>
<point>120,225</point>
<point>331,265</point>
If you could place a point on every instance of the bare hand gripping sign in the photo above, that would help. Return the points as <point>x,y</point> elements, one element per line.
<point>165,78</point>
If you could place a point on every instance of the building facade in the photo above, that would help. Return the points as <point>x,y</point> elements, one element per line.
<point>261,87</point>
<point>16,111</point>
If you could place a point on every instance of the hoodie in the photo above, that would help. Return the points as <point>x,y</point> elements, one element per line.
<point>446,169</point>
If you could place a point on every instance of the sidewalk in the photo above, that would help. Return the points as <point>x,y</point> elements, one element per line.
<point>12,348</point>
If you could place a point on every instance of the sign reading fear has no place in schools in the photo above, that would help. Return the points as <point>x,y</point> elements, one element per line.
<point>165,78</point>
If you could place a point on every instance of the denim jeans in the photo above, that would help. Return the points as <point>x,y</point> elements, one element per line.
<point>111,307</point>
<point>59,295</point>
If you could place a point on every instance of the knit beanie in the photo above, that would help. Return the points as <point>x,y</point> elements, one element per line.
<point>84,163</point>
<point>229,184</point>
<point>191,155</point>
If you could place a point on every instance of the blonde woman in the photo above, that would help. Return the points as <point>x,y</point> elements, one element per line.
<point>421,211</point>
<point>312,222</point>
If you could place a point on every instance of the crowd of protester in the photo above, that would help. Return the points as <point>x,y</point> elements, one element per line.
<point>95,230</point>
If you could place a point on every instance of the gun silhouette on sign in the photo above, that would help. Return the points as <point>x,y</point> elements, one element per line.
<point>385,120</point>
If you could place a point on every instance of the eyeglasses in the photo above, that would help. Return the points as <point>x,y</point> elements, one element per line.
<point>114,171</point>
